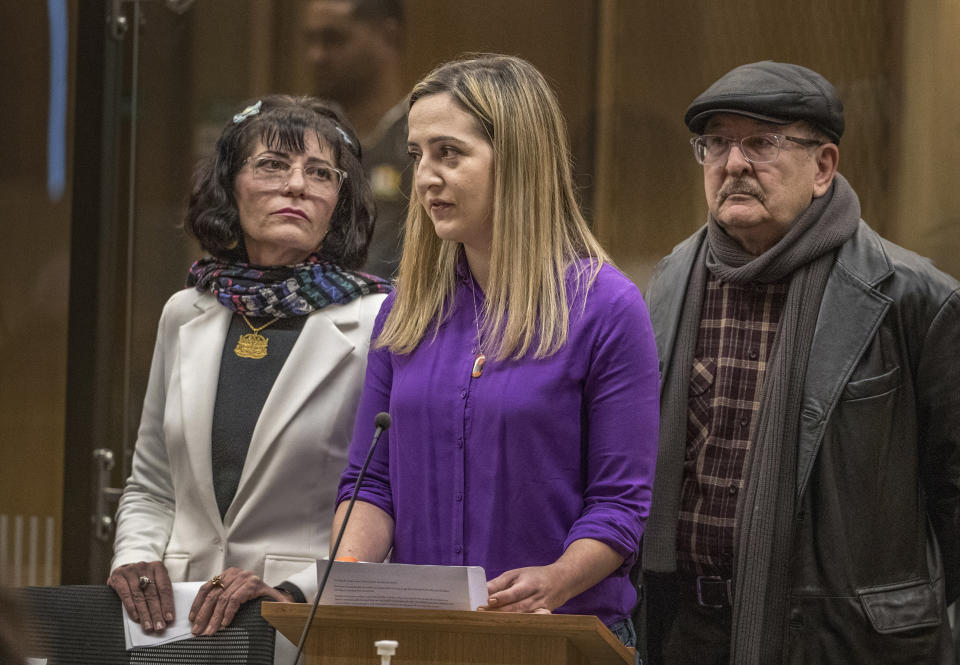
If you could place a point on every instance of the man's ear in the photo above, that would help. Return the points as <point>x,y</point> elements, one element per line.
<point>827,159</point>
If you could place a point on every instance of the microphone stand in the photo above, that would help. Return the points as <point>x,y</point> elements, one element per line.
<point>383,422</point>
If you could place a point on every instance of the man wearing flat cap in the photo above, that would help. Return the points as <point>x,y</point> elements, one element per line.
<point>807,499</point>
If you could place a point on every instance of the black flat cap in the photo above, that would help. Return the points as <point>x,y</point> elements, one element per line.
<point>776,92</point>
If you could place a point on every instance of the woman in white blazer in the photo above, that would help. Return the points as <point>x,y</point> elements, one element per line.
<point>256,372</point>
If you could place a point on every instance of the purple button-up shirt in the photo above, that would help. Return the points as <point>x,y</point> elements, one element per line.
<point>506,470</point>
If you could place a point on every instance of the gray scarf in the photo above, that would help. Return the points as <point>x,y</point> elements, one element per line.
<point>765,512</point>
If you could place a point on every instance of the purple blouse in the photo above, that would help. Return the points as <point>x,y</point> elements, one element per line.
<point>506,470</point>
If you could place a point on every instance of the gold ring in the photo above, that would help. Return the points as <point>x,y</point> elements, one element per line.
<point>144,582</point>
<point>216,580</point>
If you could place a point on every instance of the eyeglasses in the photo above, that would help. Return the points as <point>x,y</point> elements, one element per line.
<point>275,172</point>
<point>759,149</point>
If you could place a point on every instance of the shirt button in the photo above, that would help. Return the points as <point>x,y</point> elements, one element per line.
<point>457,549</point>
<point>744,421</point>
<point>463,394</point>
<point>732,489</point>
<point>753,354</point>
<point>459,442</point>
<point>459,496</point>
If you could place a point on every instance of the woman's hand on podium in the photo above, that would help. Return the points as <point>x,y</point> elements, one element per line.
<point>221,596</point>
<point>544,588</point>
<point>534,589</point>
<point>146,593</point>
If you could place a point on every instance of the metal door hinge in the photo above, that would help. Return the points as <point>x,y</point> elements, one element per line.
<point>107,496</point>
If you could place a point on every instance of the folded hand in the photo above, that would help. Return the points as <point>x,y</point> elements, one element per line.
<point>220,597</point>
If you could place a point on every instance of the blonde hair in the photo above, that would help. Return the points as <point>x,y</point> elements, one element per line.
<point>538,230</point>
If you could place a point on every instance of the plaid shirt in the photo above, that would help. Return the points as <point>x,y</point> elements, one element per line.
<point>737,328</point>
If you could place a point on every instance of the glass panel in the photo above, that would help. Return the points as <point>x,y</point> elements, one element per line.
<point>36,198</point>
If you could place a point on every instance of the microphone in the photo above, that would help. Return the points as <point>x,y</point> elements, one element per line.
<point>381,424</point>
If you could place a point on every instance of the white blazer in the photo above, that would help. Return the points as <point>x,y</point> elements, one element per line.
<point>279,521</point>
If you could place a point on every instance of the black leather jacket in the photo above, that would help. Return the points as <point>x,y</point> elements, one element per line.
<point>877,550</point>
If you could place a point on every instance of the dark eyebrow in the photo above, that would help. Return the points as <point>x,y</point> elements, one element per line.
<point>286,155</point>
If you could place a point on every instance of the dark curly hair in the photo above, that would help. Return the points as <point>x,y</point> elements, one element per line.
<point>212,216</point>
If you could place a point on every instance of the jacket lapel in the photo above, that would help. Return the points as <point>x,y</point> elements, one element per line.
<point>201,346</point>
<point>320,348</point>
<point>666,301</point>
<point>850,313</point>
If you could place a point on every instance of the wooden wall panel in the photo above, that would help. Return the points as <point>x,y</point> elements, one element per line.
<point>926,205</point>
<point>664,55</point>
<point>559,38</point>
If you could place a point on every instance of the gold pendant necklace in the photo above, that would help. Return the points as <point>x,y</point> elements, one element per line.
<point>480,359</point>
<point>253,345</point>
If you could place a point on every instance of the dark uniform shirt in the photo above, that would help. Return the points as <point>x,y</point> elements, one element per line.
<point>387,165</point>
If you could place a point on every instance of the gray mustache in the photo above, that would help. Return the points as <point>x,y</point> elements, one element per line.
<point>740,186</point>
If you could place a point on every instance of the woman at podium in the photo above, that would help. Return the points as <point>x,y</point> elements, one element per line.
<point>256,371</point>
<point>518,365</point>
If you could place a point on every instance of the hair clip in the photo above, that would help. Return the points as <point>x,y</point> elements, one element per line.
<point>346,138</point>
<point>253,109</point>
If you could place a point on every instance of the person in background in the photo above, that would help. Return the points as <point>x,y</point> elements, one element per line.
<point>256,373</point>
<point>355,51</point>
<point>517,363</point>
<point>807,500</point>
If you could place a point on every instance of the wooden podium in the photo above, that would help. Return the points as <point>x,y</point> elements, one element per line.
<point>343,635</point>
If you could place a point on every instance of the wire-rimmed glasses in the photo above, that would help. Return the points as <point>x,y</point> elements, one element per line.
<point>756,149</point>
<point>274,172</point>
